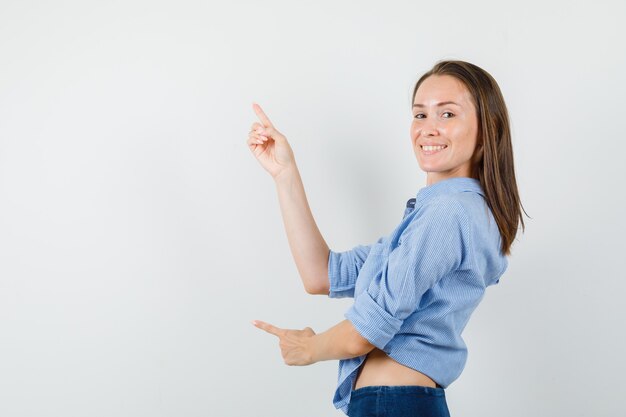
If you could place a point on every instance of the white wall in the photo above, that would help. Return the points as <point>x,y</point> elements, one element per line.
<point>139,236</point>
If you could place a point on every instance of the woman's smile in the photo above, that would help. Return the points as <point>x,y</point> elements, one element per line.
<point>431,150</point>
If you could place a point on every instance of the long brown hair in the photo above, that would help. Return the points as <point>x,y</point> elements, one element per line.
<point>492,162</point>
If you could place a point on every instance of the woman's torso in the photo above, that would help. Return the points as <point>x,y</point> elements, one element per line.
<point>464,294</point>
<point>380,369</point>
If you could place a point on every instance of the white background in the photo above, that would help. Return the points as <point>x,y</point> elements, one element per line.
<point>139,236</point>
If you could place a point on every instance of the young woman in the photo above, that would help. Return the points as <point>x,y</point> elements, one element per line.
<point>414,290</point>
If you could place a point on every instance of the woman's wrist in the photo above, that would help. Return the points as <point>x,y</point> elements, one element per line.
<point>313,348</point>
<point>287,175</point>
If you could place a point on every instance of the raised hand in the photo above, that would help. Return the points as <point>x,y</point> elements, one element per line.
<point>295,345</point>
<point>269,146</point>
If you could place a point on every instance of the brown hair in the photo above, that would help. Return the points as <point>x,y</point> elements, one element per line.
<point>492,162</point>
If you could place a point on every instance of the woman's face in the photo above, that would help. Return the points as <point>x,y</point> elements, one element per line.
<point>444,116</point>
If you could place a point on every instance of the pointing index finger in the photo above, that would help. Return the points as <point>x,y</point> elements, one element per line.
<point>268,327</point>
<point>262,116</point>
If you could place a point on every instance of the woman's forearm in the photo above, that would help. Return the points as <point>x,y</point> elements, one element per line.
<point>341,341</point>
<point>308,247</point>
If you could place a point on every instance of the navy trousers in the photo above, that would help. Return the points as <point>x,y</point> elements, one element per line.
<point>401,400</point>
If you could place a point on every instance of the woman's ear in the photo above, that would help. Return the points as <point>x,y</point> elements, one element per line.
<point>478,153</point>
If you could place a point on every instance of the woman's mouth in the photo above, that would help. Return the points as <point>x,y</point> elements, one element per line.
<point>431,149</point>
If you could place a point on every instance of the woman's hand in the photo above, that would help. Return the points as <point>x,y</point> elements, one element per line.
<point>296,345</point>
<point>269,146</point>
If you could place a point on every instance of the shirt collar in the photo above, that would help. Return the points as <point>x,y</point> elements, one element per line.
<point>448,186</point>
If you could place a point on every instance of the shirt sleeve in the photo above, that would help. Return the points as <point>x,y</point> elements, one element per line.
<point>433,245</point>
<point>344,267</point>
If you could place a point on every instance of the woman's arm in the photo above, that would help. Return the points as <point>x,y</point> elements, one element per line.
<point>308,247</point>
<point>304,347</point>
<point>341,341</point>
<point>309,250</point>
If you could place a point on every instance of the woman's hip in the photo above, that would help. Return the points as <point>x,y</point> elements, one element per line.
<point>400,400</point>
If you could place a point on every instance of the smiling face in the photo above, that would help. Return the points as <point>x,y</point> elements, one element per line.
<point>444,129</point>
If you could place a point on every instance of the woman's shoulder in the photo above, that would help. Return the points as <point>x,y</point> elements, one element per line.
<point>442,212</point>
<point>469,208</point>
<point>476,212</point>
<point>470,202</point>
<point>470,211</point>
<point>454,204</point>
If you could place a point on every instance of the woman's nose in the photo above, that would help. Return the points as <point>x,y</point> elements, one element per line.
<point>429,129</point>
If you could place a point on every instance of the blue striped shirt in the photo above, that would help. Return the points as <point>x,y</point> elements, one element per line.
<point>414,290</point>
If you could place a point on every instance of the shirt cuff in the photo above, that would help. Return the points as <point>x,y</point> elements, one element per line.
<point>372,321</point>
<point>339,288</point>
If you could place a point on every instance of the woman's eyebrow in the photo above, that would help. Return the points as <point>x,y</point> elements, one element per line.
<point>443,103</point>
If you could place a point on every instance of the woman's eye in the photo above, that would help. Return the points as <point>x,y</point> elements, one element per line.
<point>421,115</point>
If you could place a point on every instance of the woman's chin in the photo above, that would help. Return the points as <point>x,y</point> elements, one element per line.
<point>428,167</point>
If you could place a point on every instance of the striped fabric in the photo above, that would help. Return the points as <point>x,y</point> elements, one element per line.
<point>414,290</point>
